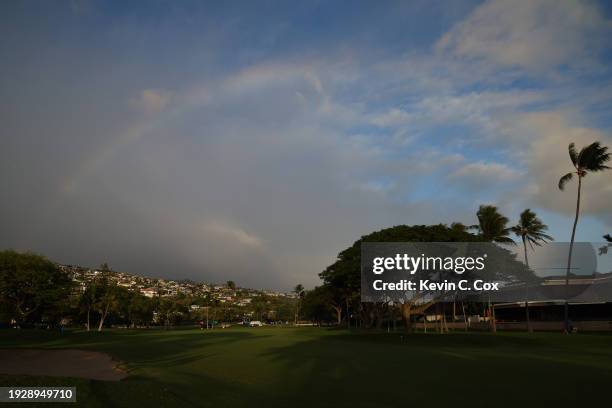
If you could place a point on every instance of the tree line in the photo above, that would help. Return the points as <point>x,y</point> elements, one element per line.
<point>338,298</point>
<point>34,291</point>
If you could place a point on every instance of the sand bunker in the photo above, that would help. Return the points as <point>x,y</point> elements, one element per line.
<point>60,363</point>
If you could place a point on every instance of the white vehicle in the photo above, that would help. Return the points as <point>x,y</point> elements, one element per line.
<point>255,323</point>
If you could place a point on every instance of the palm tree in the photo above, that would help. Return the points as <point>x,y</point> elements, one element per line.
<point>531,230</point>
<point>590,159</point>
<point>492,225</point>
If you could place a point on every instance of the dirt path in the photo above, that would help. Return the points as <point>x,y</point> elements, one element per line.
<point>60,363</point>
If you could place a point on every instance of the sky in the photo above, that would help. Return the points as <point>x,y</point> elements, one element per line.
<point>254,140</point>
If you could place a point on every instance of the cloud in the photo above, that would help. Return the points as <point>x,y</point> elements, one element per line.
<point>392,118</point>
<point>224,231</point>
<point>151,101</point>
<point>81,7</point>
<point>532,34</point>
<point>547,160</point>
<point>480,110</point>
<point>480,172</point>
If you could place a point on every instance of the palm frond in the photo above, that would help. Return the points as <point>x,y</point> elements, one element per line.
<point>502,239</point>
<point>600,168</point>
<point>593,157</point>
<point>543,237</point>
<point>518,230</point>
<point>573,154</point>
<point>585,155</point>
<point>563,180</point>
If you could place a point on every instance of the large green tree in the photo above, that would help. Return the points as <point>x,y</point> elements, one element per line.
<point>107,296</point>
<point>344,275</point>
<point>32,287</point>
<point>531,230</point>
<point>88,300</point>
<point>590,159</point>
<point>133,308</point>
<point>317,305</point>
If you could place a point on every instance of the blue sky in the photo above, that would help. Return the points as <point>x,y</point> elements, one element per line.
<point>254,140</point>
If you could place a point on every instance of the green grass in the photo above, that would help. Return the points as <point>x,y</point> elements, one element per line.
<point>311,367</point>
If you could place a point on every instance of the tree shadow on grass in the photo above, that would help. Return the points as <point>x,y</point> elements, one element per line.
<point>454,339</point>
<point>380,370</point>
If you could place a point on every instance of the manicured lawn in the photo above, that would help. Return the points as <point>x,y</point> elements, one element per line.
<point>311,367</point>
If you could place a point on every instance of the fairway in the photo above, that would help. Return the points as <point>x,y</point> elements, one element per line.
<point>281,367</point>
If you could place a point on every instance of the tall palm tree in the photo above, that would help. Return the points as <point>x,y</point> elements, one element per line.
<point>531,230</point>
<point>492,225</point>
<point>590,159</point>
